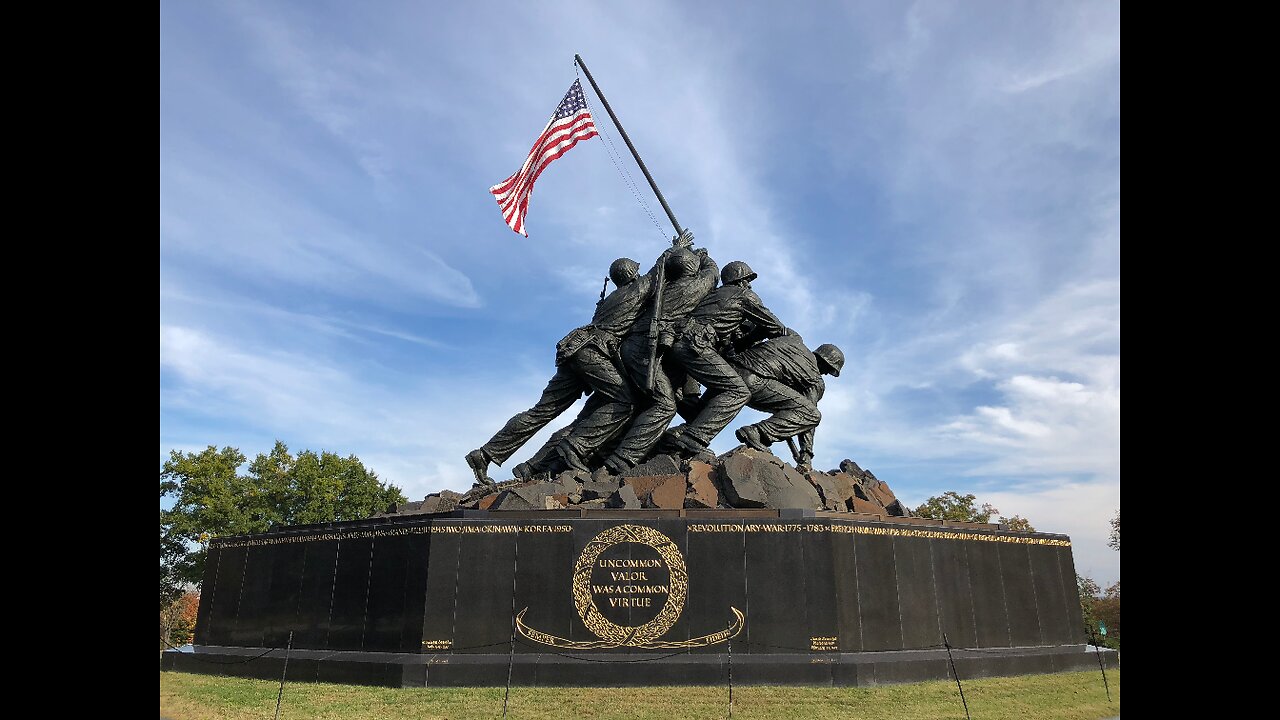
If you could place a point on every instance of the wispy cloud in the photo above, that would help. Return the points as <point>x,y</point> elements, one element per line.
<point>245,224</point>
<point>1080,509</point>
<point>356,329</point>
<point>412,429</point>
<point>933,187</point>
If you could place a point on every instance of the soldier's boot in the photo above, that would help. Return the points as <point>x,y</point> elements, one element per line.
<point>569,454</point>
<point>670,440</point>
<point>616,465</point>
<point>479,460</point>
<point>603,474</point>
<point>804,458</point>
<point>687,446</point>
<point>523,471</point>
<point>750,436</point>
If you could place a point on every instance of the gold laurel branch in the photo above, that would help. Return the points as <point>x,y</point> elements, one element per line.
<point>714,638</point>
<point>584,601</point>
<point>557,641</point>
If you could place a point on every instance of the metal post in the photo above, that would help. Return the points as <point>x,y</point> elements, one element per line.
<point>511,656</point>
<point>1097,646</point>
<point>950,659</point>
<point>283,673</point>
<point>730,678</point>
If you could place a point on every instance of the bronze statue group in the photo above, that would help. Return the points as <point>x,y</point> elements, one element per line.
<point>665,343</point>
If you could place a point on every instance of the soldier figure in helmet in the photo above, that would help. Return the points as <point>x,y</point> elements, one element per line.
<point>690,276</point>
<point>702,338</point>
<point>785,379</point>
<point>586,362</point>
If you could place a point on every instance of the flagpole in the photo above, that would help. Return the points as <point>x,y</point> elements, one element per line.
<point>670,215</point>
<point>660,281</point>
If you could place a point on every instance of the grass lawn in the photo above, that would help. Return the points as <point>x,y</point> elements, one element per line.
<point>1069,696</point>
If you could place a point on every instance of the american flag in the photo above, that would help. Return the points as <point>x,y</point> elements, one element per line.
<point>571,123</point>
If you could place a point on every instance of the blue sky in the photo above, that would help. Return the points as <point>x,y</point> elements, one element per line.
<point>932,186</point>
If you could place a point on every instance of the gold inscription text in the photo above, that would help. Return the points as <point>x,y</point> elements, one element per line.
<point>819,643</point>
<point>452,529</point>
<point>842,529</point>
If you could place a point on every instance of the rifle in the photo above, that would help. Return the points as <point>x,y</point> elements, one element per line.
<point>795,451</point>
<point>655,324</point>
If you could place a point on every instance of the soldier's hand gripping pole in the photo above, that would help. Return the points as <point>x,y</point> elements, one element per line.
<point>655,325</point>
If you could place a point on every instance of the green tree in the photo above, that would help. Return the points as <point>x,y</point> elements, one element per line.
<point>1107,611</point>
<point>1017,522</point>
<point>212,498</point>
<point>951,505</point>
<point>1088,590</point>
<point>175,566</point>
<point>209,496</point>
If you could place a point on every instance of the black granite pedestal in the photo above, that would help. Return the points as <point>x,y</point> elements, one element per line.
<point>627,598</point>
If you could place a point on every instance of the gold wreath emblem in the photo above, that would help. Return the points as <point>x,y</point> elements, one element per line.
<point>644,636</point>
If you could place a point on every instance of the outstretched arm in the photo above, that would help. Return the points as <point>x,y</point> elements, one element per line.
<point>767,324</point>
<point>708,274</point>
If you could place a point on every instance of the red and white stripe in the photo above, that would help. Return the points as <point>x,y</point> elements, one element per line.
<point>556,140</point>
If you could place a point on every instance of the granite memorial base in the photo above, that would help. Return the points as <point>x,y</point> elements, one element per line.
<point>636,598</point>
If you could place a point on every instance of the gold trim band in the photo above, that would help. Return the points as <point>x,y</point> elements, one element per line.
<point>450,529</point>
<point>871,530</point>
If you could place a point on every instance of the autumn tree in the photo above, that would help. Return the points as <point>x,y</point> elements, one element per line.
<point>212,497</point>
<point>178,620</point>
<point>1098,609</point>
<point>1107,612</point>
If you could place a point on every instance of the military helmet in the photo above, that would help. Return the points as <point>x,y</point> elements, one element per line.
<point>682,263</point>
<point>831,355</point>
<point>735,271</point>
<point>623,271</point>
